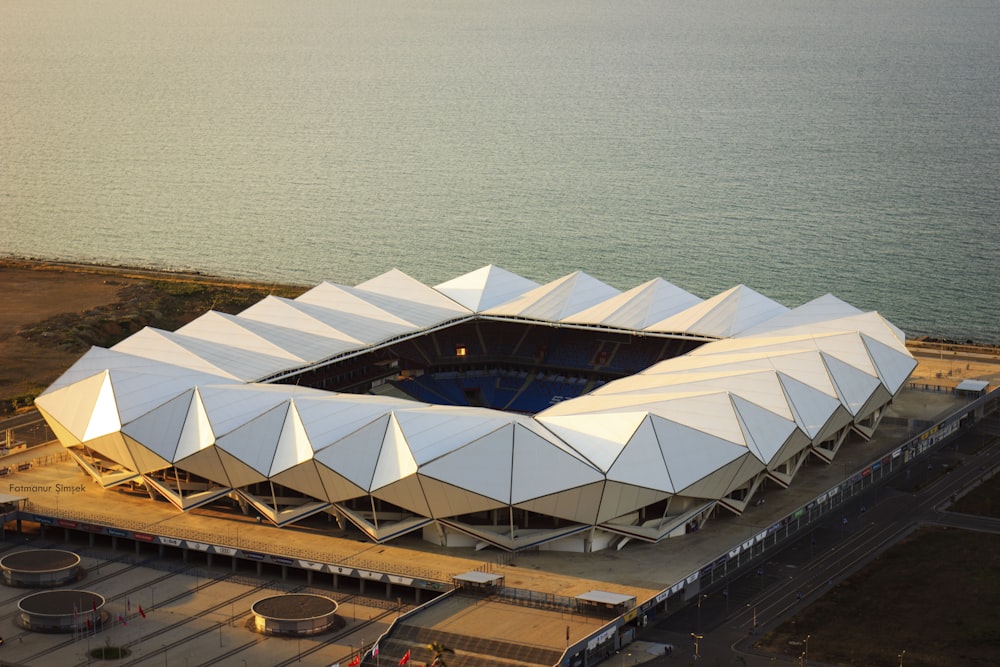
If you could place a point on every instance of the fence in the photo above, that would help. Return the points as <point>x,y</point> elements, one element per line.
<point>597,646</point>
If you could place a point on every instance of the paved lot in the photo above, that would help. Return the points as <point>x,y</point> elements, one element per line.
<point>193,616</point>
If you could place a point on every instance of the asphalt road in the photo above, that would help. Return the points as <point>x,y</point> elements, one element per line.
<point>727,619</point>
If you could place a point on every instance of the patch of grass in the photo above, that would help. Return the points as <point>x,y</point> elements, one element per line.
<point>984,500</point>
<point>933,595</point>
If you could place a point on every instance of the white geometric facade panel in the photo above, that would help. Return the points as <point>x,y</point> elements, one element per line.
<point>196,431</point>
<point>639,307</point>
<point>641,463</point>
<point>580,504</point>
<point>410,299</point>
<point>766,384</point>
<point>145,460</point>
<point>765,431</point>
<point>152,343</point>
<point>893,367</point>
<point>73,405</point>
<point>692,454</point>
<point>724,315</point>
<point>485,288</point>
<point>395,460</point>
<point>160,430</point>
<point>435,431</point>
<point>619,500</point>
<point>328,418</point>
<point>112,446</point>
<point>355,456</point>
<point>244,335</point>
<point>445,500</point>
<point>208,464</point>
<point>717,483</point>
<point>558,299</point>
<point>293,445</point>
<point>301,317</point>
<point>821,309</point>
<point>405,493</point>
<point>483,466</point>
<point>238,473</point>
<point>535,460</point>
<point>303,478</point>
<point>854,386</point>
<point>255,442</point>
<point>812,408</point>
<point>337,488</point>
<point>600,437</point>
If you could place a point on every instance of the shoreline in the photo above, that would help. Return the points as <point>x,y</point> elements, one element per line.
<point>136,272</point>
<point>927,342</point>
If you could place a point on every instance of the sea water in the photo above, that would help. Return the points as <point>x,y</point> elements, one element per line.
<point>796,147</point>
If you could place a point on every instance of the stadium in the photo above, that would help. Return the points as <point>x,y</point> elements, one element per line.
<point>486,411</point>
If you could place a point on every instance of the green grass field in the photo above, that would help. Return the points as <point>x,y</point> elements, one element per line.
<point>934,595</point>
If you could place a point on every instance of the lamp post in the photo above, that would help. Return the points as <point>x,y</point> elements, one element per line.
<point>696,637</point>
<point>753,628</point>
<point>805,654</point>
<point>901,654</point>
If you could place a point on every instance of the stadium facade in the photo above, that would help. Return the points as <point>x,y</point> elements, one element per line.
<point>649,409</point>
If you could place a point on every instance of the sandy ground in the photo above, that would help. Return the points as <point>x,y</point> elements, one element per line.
<point>33,291</point>
<point>30,293</point>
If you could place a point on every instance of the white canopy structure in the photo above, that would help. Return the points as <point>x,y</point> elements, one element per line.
<point>197,416</point>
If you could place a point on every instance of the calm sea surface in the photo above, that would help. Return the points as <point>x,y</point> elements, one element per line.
<point>796,147</point>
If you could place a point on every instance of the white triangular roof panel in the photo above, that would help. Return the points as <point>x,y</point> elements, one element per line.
<point>639,307</point>
<point>486,288</point>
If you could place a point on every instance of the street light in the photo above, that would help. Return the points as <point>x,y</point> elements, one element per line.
<point>696,637</point>
<point>901,657</point>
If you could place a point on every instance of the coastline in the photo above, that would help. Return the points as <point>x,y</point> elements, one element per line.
<point>134,272</point>
<point>54,310</point>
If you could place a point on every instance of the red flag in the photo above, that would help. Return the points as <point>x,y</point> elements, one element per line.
<point>406,657</point>
<point>141,612</point>
<point>121,619</point>
<point>90,625</point>
<point>355,661</point>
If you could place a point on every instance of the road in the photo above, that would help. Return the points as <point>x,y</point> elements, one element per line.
<point>728,619</point>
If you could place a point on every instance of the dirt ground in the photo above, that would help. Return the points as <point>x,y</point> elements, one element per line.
<point>63,295</point>
<point>38,299</point>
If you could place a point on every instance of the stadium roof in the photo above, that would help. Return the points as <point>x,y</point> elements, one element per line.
<point>772,385</point>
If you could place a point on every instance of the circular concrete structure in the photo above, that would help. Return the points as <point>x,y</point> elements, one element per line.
<point>60,611</point>
<point>294,615</point>
<point>40,568</point>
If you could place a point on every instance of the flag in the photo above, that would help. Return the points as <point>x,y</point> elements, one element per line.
<point>355,661</point>
<point>95,605</point>
<point>90,624</point>
<point>375,650</point>
<point>141,612</point>
<point>405,659</point>
<point>121,619</point>
<point>128,605</point>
